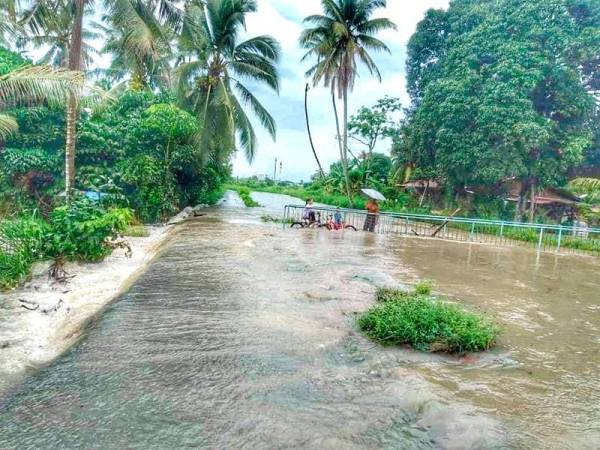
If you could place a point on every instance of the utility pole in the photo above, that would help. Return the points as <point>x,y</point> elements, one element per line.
<point>275,171</point>
<point>281,170</point>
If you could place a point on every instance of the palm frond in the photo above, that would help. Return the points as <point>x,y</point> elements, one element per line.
<point>255,69</point>
<point>374,26</point>
<point>8,125</point>
<point>259,110</point>
<point>245,130</point>
<point>265,46</point>
<point>33,84</point>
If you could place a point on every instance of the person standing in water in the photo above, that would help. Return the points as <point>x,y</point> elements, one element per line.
<point>372,214</point>
<point>309,213</point>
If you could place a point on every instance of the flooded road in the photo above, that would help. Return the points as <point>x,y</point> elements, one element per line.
<point>242,335</point>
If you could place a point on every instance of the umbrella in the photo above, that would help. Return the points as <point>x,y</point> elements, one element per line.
<point>375,195</point>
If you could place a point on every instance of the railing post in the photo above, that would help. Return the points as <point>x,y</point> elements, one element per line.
<point>541,237</point>
<point>559,239</point>
<point>472,230</point>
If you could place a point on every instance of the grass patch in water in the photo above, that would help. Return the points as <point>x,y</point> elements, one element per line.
<point>244,194</point>
<point>271,219</point>
<point>426,323</point>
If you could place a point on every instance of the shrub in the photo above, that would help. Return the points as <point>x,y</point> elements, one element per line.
<point>21,244</point>
<point>424,287</point>
<point>80,230</point>
<point>150,187</point>
<point>426,323</point>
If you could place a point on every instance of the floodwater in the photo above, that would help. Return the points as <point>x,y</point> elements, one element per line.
<point>242,335</point>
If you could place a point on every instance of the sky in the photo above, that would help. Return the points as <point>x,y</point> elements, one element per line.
<point>282,19</point>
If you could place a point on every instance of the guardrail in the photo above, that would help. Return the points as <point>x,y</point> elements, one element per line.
<point>545,237</point>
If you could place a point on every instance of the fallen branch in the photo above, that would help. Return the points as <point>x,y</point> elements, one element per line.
<point>32,306</point>
<point>438,229</point>
<point>123,244</point>
<point>57,271</point>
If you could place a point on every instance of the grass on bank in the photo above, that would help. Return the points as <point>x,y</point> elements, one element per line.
<point>426,323</point>
<point>244,194</point>
<point>136,231</point>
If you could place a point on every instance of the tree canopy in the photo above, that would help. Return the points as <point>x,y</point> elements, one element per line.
<point>503,89</point>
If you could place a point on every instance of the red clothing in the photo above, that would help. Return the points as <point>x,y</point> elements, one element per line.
<point>373,208</point>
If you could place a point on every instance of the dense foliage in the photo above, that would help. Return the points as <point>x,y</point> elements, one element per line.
<point>503,90</point>
<point>138,151</point>
<point>81,230</point>
<point>427,323</point>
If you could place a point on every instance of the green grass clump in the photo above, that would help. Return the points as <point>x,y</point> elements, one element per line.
<point>426,323</point>
<point>244,194</point>
<point>270,219</point>
<point>136,231</point>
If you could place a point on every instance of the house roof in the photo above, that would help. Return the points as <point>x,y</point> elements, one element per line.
<point>548,196</point>
<point>421,184</point>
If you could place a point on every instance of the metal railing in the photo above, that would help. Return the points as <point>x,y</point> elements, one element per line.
<point>544,237</point>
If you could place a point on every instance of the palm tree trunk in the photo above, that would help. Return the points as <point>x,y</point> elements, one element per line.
<point>343,154</point>
<point>312,145</point>
<point>337,124</point>
<point>345,145</point>
<point>73,105</point>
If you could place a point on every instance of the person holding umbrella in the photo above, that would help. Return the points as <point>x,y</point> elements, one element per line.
<point>372,209</point>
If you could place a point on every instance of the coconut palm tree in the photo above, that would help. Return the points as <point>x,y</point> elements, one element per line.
<point>51,30</point>
<point>214,64</point>
<point>142,69</point>
<point>131,16</point>
<point>34,84</point>
<point>339,40</point>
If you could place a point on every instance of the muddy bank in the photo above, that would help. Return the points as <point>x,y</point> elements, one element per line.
<point>42,319</point>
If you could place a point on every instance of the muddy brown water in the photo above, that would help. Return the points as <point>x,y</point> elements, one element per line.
<point>242,335</point>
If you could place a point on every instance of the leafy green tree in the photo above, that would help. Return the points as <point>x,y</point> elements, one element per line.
<point>213,64</point>
<point>136,19</point>
<point>339,39</point>
<point>370,125</point>
<point>500,91</point>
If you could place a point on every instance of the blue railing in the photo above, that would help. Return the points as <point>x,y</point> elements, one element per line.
<point>545,237</point>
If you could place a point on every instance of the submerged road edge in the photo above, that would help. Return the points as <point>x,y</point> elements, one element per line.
<point>32,339</point>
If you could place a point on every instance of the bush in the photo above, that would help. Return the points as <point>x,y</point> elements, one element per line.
<point>426,323</point>
<point>150,187</point>
<point>78,231</point>
<point>21,244</point>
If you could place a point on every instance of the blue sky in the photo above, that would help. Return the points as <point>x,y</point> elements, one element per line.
<point>283,20</point>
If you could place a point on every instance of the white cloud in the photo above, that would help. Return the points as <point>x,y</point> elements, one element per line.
<point>283,20</point>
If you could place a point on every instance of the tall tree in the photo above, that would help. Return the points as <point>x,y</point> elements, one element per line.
<point>503,91</point>
<point>370,125</point>
<point>75,64</point>
<point>133,17</point>
<point>50,29</point>
<point>312,144</point>
<point>339,39</point>
<point>213,65</point>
